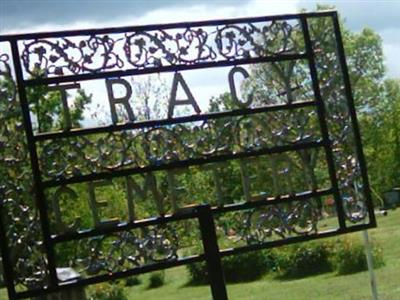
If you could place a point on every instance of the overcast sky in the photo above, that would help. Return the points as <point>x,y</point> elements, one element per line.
<point>42,15</point>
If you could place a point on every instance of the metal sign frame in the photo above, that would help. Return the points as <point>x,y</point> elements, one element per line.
<point>204,213</point>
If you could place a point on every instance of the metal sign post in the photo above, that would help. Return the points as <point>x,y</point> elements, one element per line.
<point>370,262</point>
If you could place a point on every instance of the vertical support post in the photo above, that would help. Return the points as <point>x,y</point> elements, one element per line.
<point>322,122</point>
<point>370,262</point>
<point>8,272</point>
<point>37,177</point>
<point>353,116</point>
<point>211,253</point>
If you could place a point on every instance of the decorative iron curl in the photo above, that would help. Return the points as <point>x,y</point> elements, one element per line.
<point>57,56</point>
<point>5,73</point>
<point>281,221</point>
<point>126,250</point>
<point>245,41</point>
<point>144,49</point>
<point>156,48</point>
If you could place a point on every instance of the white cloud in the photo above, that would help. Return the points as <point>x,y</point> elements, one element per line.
<point>391,50</point>
<point>392,53</point>
<point>197,12</point>
<point>205,12</point>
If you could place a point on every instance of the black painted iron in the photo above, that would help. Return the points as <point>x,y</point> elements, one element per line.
<point>156,234</point>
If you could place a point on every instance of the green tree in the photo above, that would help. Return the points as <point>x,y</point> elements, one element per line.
<point>16,187</point>
<point>381,132</point>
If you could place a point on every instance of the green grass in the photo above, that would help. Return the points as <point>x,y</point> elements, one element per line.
<point>326,286</point>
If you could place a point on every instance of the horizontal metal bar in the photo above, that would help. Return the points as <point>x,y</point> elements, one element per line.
<point>184,214</point>
<point>272,200</point>
<point>172,121</point>
<point>296,239</point>
<point>181,164</point>
<point>66,33</point>
<point>188,213</point>
<point>109,277</point>
<point>162,69</point>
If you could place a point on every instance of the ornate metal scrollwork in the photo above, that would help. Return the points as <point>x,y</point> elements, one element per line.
<point>61,56</point>
<point>249,40</point>
<point>157,48</point>
<point>160,145</point>
<point>126,250</point>
<point>273,222</point>
<point>340,128</point>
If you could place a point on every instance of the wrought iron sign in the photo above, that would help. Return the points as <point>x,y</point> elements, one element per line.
<point>253,170</point>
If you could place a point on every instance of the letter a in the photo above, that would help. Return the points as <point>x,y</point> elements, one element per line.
<point>173,101</point>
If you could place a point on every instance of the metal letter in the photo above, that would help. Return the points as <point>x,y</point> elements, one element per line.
<point>57,210</point>
<point>63,92</point>
<point>173,101</point>
<point>216,173</point>
<point>95,205</point>
<point>122,100</point>
<point>244,172</point>
<point>129,196</point>
<point>233,87</point>
<point>150,183</point>
<point>173,189</point>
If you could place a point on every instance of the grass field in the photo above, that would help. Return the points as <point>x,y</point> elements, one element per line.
<point>325,286</point>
